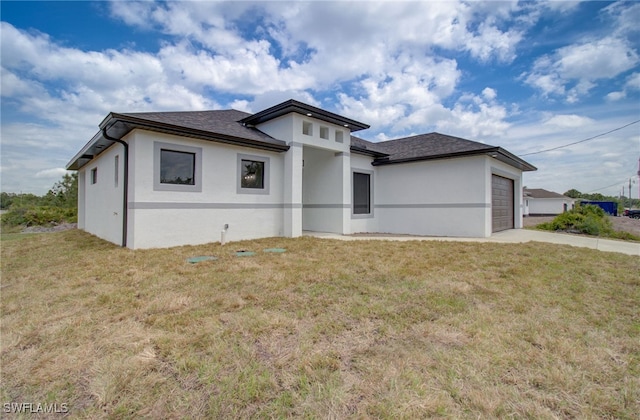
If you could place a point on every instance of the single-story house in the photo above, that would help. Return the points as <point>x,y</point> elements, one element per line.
<point>160,179</point>
<point>539,202</point>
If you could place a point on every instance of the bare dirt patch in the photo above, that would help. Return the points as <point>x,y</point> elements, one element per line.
<point>49,229</point>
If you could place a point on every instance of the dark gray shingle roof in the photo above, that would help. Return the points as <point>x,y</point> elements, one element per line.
<point>434,146</point>
<point>236,127</point>
<point>429,145</point>
<point>225,122</point>
<point>540,193</point>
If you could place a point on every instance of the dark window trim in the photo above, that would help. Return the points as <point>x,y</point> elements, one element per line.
<point>265,179</point>
<point>116,173</point>
<point>94,175</point>
<point>355,215</point>
<point>157,152</point>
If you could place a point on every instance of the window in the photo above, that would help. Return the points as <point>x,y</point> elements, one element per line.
<point>307,128</point>
<point>177,167</point>
<point>361,193</point>
<point>115,173</point>
<point>324,132</point>
<point>94,175</point>
<point>253,174</point>
<point>339,136</point>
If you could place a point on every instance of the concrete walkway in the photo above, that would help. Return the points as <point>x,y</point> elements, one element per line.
<point>507,236</point>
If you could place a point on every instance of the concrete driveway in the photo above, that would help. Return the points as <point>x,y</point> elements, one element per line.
<point>506,236</point>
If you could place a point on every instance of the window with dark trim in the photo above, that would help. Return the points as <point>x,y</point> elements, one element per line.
<point>252,174</point>
<point>361,193</point>
<point>94,175</point>
<point>177,167</point>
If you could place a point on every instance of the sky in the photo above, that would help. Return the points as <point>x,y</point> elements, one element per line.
<point>526,76</point>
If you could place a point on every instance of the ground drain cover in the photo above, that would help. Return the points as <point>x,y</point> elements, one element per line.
<point>194,260</point>
<point>245,254</point>
<point>275,250</point>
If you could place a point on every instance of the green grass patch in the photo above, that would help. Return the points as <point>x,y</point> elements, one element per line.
<point>327,329</point>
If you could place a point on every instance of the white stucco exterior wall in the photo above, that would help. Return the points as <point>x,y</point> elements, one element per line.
<point>100,204</point>
<point>81,198</point>
<point>308,187</point>
<point>172,218</point>
<point>322,191</point>
<point>549,206</point>
<point>439,197</point>
<point>316,178</point>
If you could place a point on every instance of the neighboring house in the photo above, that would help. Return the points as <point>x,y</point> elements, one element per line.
<point>539,202</point>
<point>161,179</point>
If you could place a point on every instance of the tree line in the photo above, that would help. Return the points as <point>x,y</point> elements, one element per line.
<point>58,205</point>
<point>623,202</point>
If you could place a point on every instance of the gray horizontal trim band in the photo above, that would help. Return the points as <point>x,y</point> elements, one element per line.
<point>222,206</point>
<point>250,206</point>
<point>326,206</point>
<point>434,206</point>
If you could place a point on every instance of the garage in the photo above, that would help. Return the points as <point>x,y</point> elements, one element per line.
<point>501,203</point>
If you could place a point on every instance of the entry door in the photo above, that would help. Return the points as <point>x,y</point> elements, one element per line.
<point>501,203</point>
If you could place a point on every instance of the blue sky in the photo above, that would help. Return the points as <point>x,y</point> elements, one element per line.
<point>525,76</point>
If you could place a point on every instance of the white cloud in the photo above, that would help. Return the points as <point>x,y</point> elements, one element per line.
<point>489,94</point>
<point>394,65</point>
<point>587,166</point>
<point>573,70</point>
<point>632,84</point>
<point>625,17</point>
<point>615,96</point>
<point>54,173</point>
<point>568,121</point>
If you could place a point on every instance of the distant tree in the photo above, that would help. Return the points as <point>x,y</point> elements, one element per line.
<point>573,193</point>
<point>64,193</point>
<point>6,199</point>
<point>26,200</point>
<point>594,197</point>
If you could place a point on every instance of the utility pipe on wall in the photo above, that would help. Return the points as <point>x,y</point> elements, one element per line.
<point>125,198</point>
<point>223,234</point>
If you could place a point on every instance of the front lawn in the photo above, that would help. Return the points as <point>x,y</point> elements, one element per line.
<point>327,329</point>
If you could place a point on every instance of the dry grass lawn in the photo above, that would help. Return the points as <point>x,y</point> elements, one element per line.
<point>328,329</point>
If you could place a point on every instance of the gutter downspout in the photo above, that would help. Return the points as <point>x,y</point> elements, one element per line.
<point>125,198</point>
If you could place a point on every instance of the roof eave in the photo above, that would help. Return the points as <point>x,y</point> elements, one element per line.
<point>303,109</point>
<point>83,155</point>
<point>123,124</point>
<point>367,152</point>
<point>513,160</point>
<point>494,152</point>
<point>276,145</point>
<point>432,157</point>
